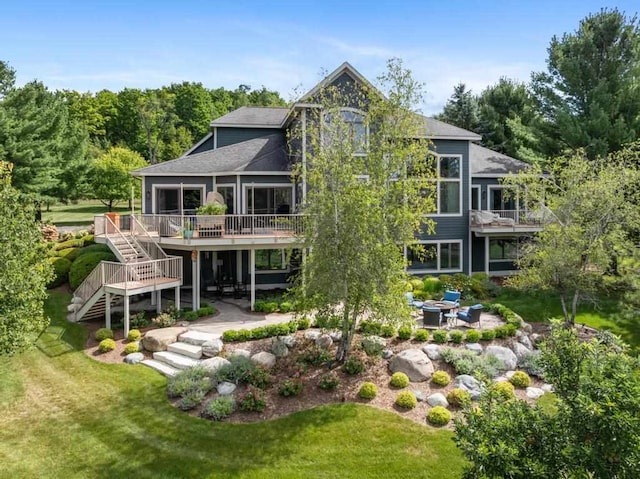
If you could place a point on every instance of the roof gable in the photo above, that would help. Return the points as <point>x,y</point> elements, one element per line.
<point>253,117</point>
<point>336,76</point>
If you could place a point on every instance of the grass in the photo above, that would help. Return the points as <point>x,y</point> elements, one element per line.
<point>82,213</point>
<point>89,419</point>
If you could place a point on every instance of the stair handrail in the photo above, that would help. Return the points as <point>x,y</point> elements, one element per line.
<point>91,284</point>
<point>117,231</point>
<point>138,229</point>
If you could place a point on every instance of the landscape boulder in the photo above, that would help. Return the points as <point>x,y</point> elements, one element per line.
<point>212,348</point>
<point>312,334</point>
<point>240,352</point>
<point>437,399</point>
<point>373,345</point>
<point>414,363</point>
<point>520,350</point>
<point>432,351</point>
<point>387,354</point>
<point>158,339</point>
<point>265,359</point>
<point>133,358</point>
<point>289,341</point>
<point>336,336</point>
<point>324,341</point>
<point>469,384</point>
<point>475,347</point>
<point>534,393</point>
<point>213,364</point>
<point>226,388</point>
<point>524,340</point>
<point>279,348</point>
<point>508,357</point>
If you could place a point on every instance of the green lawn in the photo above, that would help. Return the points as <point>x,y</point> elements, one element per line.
<point>82,213</point>
<point>64,415</point>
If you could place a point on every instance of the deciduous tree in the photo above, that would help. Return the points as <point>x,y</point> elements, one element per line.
<point>111,178</point>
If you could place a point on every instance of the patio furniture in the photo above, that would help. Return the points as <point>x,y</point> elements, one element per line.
<point>470,315</point>
<point>452,297</point>
<point>431,317</point>
<point>412,302</point>
<point>485,217</point>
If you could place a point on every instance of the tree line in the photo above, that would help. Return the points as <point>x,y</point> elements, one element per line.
<point>589,96</point>
<point>55,138</point>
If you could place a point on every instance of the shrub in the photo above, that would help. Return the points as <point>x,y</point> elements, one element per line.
<point>239,369</point>
<point>483,287</point>
<point>293,326</point>
<point>458,282</point>
<point>103,333</point>
<point>304,323</point>
<point>69,243</point>
<point>387,331</point>
<point>455,336</point>
<point>89,239</point>
<point>406,399</point>
<point>416,284</point>
<point>439,416</point>
<point>187,380</point>
<point>500,332</point>
<point>531,364</point>
<point>139,320</point>
<point>219,408</point>
<point>134,335</point>
<point>244,335</point>
<point>404,333</point>
<point>281,329</point>
<point>191,399</point>
<point>329,381</point>
<point>163,320</point>
<point>505,390</point>
<point>259,377</point>
<point>253,400</point>
<point>467,362</point>
<point>440,378</point>
<point>488,335</point>
<point>107,345</point>
<point>327,321</point>
<point>353,365</point>
<point>368,391</point>
<point>92,248</point>
<point>285,307</point>
<point>61,267</point>
<point>266,306</point>
<point>259,333</point>
<point>84,265</point>
<point>290,387</point>
<point>431,284</point>
<point>520,379</point>
<point>230,336</point>
<point>458,397</point>
<point>206,311</point>
<point>132,347</point>
<point>421,335</point>
<point>473,336</point>
<point>315,356</point>
<point>189,315</point>
<point>439,336</point>
<point>511,330</point>
<point>422,295</point>
<point>370,327</point>
<point>399,380</point>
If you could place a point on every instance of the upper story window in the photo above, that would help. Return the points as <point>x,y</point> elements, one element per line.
<point>352,121</point>
<point>449,178</point>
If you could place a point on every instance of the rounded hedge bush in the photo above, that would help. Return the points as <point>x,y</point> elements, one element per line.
<point>70,253</point>
<point>368,391</point>
<point>134,335</point>
<point>439,336</point>
<point>438,416</point>
<point>473,336</point>
<point>82,267</point>
<point>353,365</point>
<point>107,345</point>
<point>132,347</point>
<point>488,335</point>
<point>404,333</point>
<point>61,267</point>
<point>93,248</point>
<point>70,243</point>
<point>406,399</point>
<point>421,335</point>
<point>399,380</point>
<point>103,333</point>
<point>440,378</point>
<point>458,397</point>
<point>520,379</point>
<point>505,389</point>
<point>456,336</point>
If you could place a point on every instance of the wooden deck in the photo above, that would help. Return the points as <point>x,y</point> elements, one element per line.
<point>131,288</point>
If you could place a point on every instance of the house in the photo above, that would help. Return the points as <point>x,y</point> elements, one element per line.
<point>247,160</point>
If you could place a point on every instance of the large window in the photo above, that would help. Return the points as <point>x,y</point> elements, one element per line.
<point>503,249</point>
<point>501,198</point>
<point>449,185</point>
<point>269,200</point>
<point>271,260</point>
<point>175,200</point>
<point>355,129</point>
<point>228,193</point>
<point>441,256</point>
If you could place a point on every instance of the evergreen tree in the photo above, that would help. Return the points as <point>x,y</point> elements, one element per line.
<point>461,109</point>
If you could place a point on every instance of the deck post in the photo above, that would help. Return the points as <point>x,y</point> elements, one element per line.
<point>486,255</point>
<point>153,298</point>
<point>177,299</point>
<point>107,310</point>
<point>252,271</point>
<point>158,295</point>
<point>126,315</point>
<point>195,279</point>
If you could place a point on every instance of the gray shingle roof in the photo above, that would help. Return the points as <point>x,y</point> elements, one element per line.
<point>487,162</point>
<point>267,153</point>
<point>440,130</point>
<point>254,116</point>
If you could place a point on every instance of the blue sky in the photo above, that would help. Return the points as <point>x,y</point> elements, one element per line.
<point>283,45</point>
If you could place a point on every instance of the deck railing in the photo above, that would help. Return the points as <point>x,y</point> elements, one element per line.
<point>537,218</point>
<point>214,226</point>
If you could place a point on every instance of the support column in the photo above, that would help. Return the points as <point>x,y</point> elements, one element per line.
<point>486,255</point>
<point>239,266</point>
<point>252,271</point>
<point>198,280</point>
<point>126,316</point>
<point>158,295</point>
<point>194,282</point>
<point>153,298</point>
<point>177,299</point>
<point>107,310</point>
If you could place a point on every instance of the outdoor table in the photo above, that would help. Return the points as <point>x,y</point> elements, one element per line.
<point>445,307</point>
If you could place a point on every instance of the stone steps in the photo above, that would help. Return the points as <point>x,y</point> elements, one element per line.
<point>175,360</point>
<point>162,367</point>
<point>185,349</point>
<point>197,338</point>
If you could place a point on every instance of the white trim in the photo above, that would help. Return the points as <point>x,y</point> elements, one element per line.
<point>216,173</point>
<point>438,180</point>
<point>511,238</point>
<point>144,196</point>
<point>449,137</point>
<point>248,125</point>
<point>245,193</point>
<point>268,286</point>
<point>486,255</point>
<point>438,269</point>
<point>215,138</point>
<point>502,187</point>
<point>492,175</point>
<point>227,185</point>
<point>478,188</point>
<point>345,67</point>
<point>176,186</point>
<point>186,153</point>
<point>303,121</point>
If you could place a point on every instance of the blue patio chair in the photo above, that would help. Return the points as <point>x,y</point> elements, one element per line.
<point>471,315</point>
<point>452,297</point>
<point>412,302</point>
<point>431,317</point>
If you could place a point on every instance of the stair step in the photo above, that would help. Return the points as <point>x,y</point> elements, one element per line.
<point>162,368</point>
<point>189,350</point>
<point>177,361</point>
<point>197,338</point>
